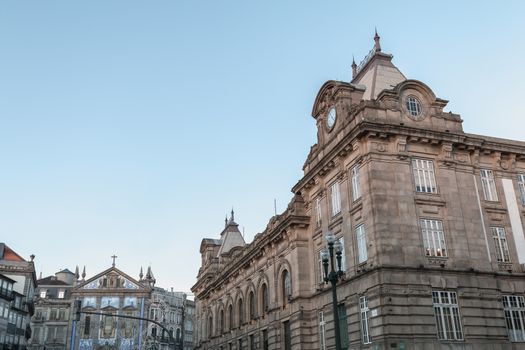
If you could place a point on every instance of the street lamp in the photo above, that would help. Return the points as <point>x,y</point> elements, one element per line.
<point>333,277</point>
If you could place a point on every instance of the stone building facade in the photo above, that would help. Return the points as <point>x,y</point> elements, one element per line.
<point>17,287</point>
<point>174,311</point>
<point>51,321</point>
<point>431,221</point>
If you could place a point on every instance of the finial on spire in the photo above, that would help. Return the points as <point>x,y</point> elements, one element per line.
<point>377,45</point>
<point>232,218</point>
<point>77,275</point>
<point>354,67</point>
<point>84,272</point>
<point>226,220</point>
<point>141,274</point>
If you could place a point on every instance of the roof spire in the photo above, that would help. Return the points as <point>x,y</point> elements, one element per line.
<point>141,274</point>
<point>232,218</point>
<point>77,275</point>
<point>84,272</point>
<point>226,220</point>
<point>377,45</point>
<point>354,67</point>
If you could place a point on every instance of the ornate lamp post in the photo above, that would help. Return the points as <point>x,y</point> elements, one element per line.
<point>333,276</point>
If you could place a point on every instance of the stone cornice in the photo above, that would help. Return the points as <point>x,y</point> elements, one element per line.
<point>367,128</point>
<point>253,251</point>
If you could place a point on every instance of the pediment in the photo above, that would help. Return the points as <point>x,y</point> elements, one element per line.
<point>331,92</point>
<point>111,279</point>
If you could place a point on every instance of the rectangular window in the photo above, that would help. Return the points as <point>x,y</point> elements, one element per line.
<point>424,177</point>
<point>343,326</point>
<point>87,326</point>
<point>433,238</point>
<point>287,336</point>
<point>514,307</point>
<point>318,213</point>
<point>265,339</point>
<point>446,311</point>
<point>356,190</point>
<point>336,198</point>
<point>322,331</point>
<point>500,244</point>
<point>61,294</point>
<point>320,269</point>
<point>343,255</point>
<point>252,342</point>
<point>365,320</point>
<point>362,254</point>
<point>488,184</point>
<point>521,187</point>
<point>43,293</point>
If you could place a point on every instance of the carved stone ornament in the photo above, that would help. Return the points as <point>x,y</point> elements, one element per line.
<point>446,150</point>
<point>380,146</point>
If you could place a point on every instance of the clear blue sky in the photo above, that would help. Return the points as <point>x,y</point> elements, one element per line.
<point>132,127</point>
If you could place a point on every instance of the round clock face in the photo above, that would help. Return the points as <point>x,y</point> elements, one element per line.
<point>332,116</point>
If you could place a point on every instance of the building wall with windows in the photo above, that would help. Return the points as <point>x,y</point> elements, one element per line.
<point>431,219</point>
<point>175,312</point>
<point>17,286</point>
<point>51,321</point>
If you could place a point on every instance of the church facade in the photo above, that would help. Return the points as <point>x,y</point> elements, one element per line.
<point>111,292</point>
<point>430,219</point>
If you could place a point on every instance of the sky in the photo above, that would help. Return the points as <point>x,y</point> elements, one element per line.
<point>134,127</point>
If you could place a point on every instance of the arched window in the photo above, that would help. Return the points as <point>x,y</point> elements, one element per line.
<point>177,337</point>
<point>221,321</point>
<point>240,311</point>
<point>264,299</point>
<point>210,326</point>
<point>286,286</point>
<point>230,316</point>
<point>251,301</point>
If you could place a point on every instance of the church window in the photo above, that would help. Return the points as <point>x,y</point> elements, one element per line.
<point>488,184</point>
<point>87,326</point>
<point>413,106</point>
<point>433,238</point>
<point>424,177</point>
<point>335,193</point>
